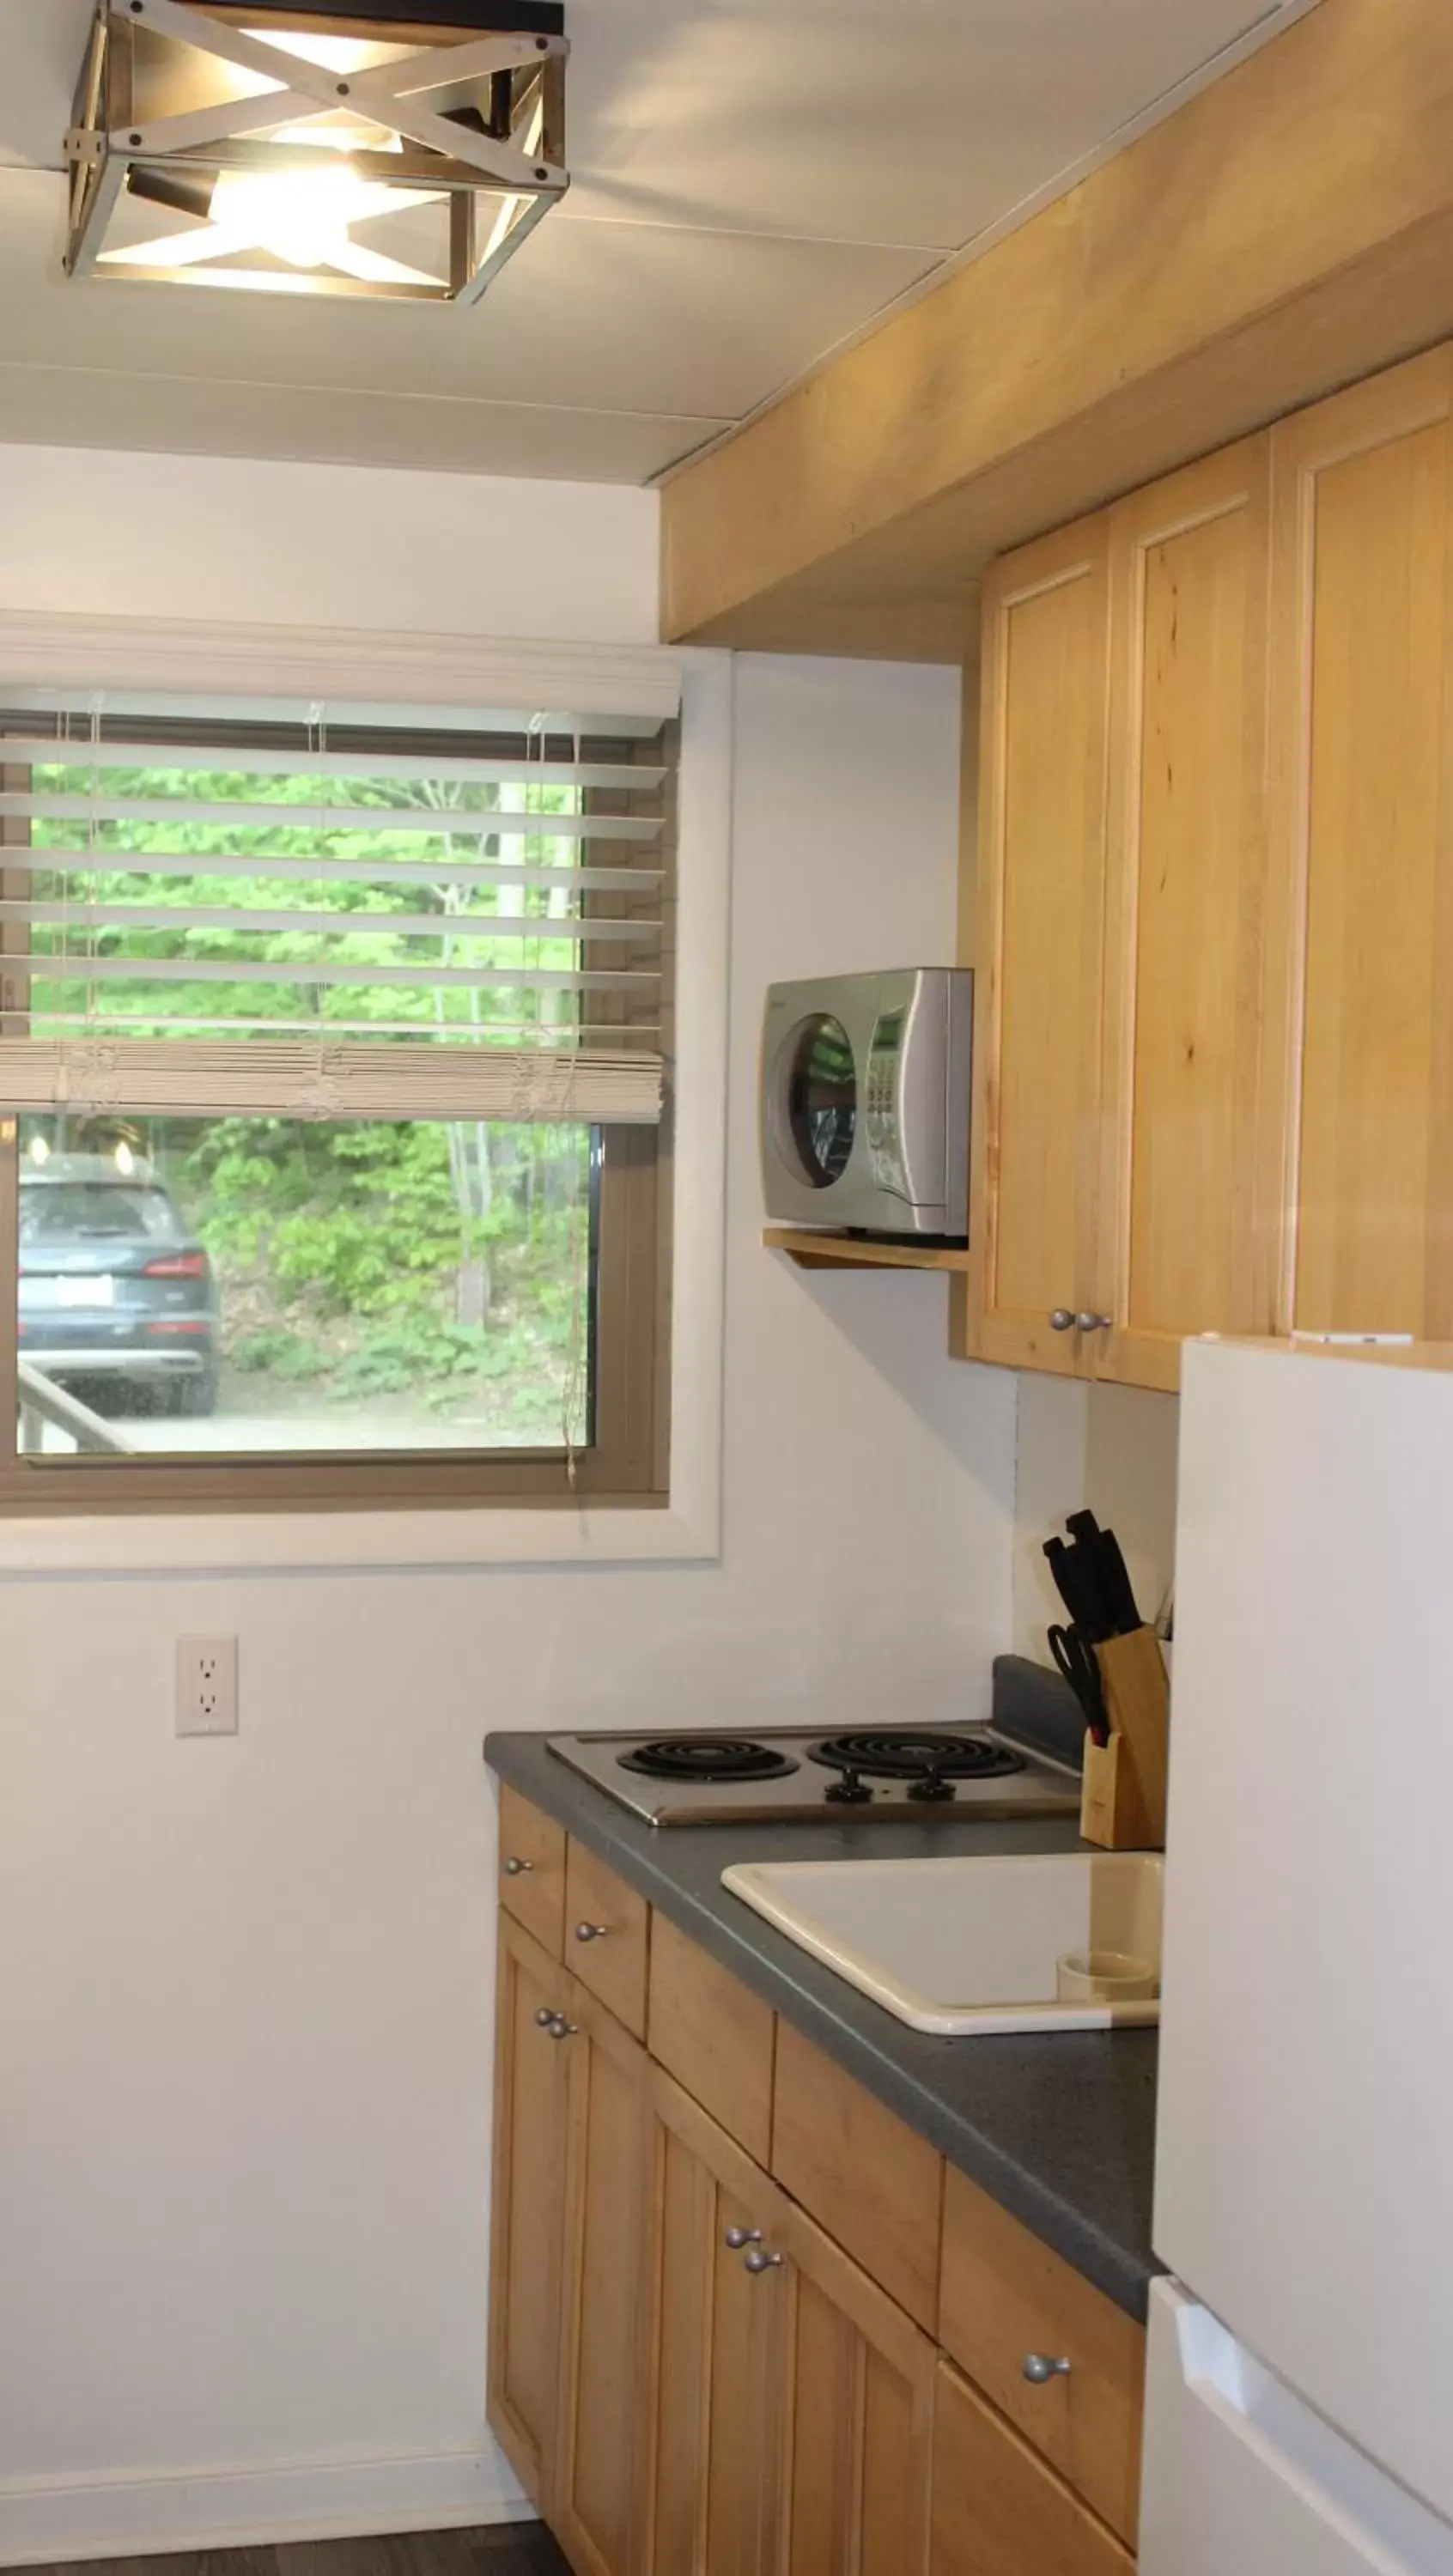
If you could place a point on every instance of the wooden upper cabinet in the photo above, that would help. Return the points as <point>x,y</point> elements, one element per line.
<point>1186,889</point>
<point>1214,910</point>
<point>1040,899</point>
<point>1360,1086</point>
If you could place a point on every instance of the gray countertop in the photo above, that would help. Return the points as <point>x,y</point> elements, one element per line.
<point>1060,2130</point>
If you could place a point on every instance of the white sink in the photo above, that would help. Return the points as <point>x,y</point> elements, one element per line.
<point>965,1946</point>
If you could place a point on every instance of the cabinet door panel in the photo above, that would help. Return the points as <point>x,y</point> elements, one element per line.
<point>1364,548</point>
<point>714,2337</point>
<point>531,2116</point>
<point>997,2510</point>
<point>595,2488</point>
<point>1005,2295</point>
<point>1185,911</point>
<point>865,2176</point>
<point>858,2417</point>
<point>532,1869</point>
<point>1039,948</point>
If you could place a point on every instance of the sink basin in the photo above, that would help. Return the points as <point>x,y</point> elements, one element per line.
<point>968,1947</point>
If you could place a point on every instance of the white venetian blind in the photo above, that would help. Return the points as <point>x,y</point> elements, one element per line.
<point>216,912</point>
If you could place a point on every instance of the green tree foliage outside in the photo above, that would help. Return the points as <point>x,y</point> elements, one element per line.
<point>361,1263</point>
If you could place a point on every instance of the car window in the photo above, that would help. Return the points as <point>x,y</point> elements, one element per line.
<point>56,1211</point>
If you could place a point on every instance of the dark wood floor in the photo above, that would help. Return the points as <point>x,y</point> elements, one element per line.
<point>513,2549</point>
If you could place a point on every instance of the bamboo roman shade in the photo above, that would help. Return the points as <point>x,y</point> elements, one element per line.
<point>217,911</point>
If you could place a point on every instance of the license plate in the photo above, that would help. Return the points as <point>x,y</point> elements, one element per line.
<point>86,1292</point>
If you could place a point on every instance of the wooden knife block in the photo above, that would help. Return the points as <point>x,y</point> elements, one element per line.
<point>1123,1802</point>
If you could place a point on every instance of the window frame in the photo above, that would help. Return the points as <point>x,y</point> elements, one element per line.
<point>624,1469</point>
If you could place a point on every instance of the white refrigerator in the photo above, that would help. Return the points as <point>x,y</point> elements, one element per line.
<point>1300,2383</point>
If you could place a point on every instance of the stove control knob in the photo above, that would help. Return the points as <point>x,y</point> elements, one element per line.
<point>932,1787</point>
<point>851,1790</point>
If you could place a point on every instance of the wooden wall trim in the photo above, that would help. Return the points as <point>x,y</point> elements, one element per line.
<point>1289,230</point>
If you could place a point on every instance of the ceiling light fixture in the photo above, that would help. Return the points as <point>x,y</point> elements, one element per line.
<point>398,148</point>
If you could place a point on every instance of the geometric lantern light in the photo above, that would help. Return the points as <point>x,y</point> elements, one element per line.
<point>399,148</point>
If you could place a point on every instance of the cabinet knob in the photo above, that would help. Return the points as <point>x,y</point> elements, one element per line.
<point>737,2237</point>
<point>545,2016</point>
<point>1088,1323</point>
<point>1040,2368</point>
<point>1062,1320</point>
<point>560,2028</point>
<point>759,2260</point>
<point>591,1931</point>
<point>517,1868</point>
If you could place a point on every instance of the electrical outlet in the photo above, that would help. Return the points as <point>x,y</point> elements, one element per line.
<point>206,1686</point>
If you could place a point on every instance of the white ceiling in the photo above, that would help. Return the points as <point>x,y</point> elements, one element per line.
<point>754,183</point>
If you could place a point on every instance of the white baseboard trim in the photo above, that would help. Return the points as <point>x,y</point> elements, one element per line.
<point>58,2518</point>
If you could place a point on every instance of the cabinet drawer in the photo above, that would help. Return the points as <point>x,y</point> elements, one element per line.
<point>1004,2296</point>
<point>714,2036</point>
<point>532,1869</point>
<point>606,1936</point>
<point>997,2510</point>
<point>860,2173</point>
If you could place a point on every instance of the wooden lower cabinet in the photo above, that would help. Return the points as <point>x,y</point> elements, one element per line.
<point>714,2349</point>
<point>1004,2295</point>
<point>568,2253</point>
<point>691,2377</point>
<point>791,2403</point>
<point>531,2121</point>
<point>857,2416</point>
<point>997,2509</point>
<point>593,2491</point>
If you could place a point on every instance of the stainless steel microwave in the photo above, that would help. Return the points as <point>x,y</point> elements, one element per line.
<point>865,1102</point>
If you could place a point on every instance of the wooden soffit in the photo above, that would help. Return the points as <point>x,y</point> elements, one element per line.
<point>1289,230</point>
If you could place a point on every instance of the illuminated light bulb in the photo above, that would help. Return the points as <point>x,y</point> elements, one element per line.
<point>302,220</point>
<point>330,53</point>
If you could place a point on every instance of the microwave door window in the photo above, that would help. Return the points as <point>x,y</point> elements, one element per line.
<point>822,1099</point>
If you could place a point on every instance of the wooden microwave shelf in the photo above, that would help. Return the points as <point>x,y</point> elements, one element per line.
<point>850,1252</point>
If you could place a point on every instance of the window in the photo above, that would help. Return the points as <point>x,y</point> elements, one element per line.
<point>331,1082</point>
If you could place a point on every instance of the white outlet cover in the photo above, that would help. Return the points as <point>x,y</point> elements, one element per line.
<point>206,1686</point>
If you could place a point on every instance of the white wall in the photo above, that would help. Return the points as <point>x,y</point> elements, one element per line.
<point>94,532</point>
<point>1113,1448</point>
<point>245,1994</point>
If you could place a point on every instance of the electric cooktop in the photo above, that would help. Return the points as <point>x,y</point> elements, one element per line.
<point>792,1774</point>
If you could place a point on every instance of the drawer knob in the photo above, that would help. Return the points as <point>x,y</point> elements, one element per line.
<point>737,2237</point>
<point>1041,2367</point>
<point>1062,1320</point>
<point>517,1868</point>
<point>560,2028</point>
<point>545,2016</point>
<point>591,1931</point>
<point>759,2260</point>
<point>1088,1323</point>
